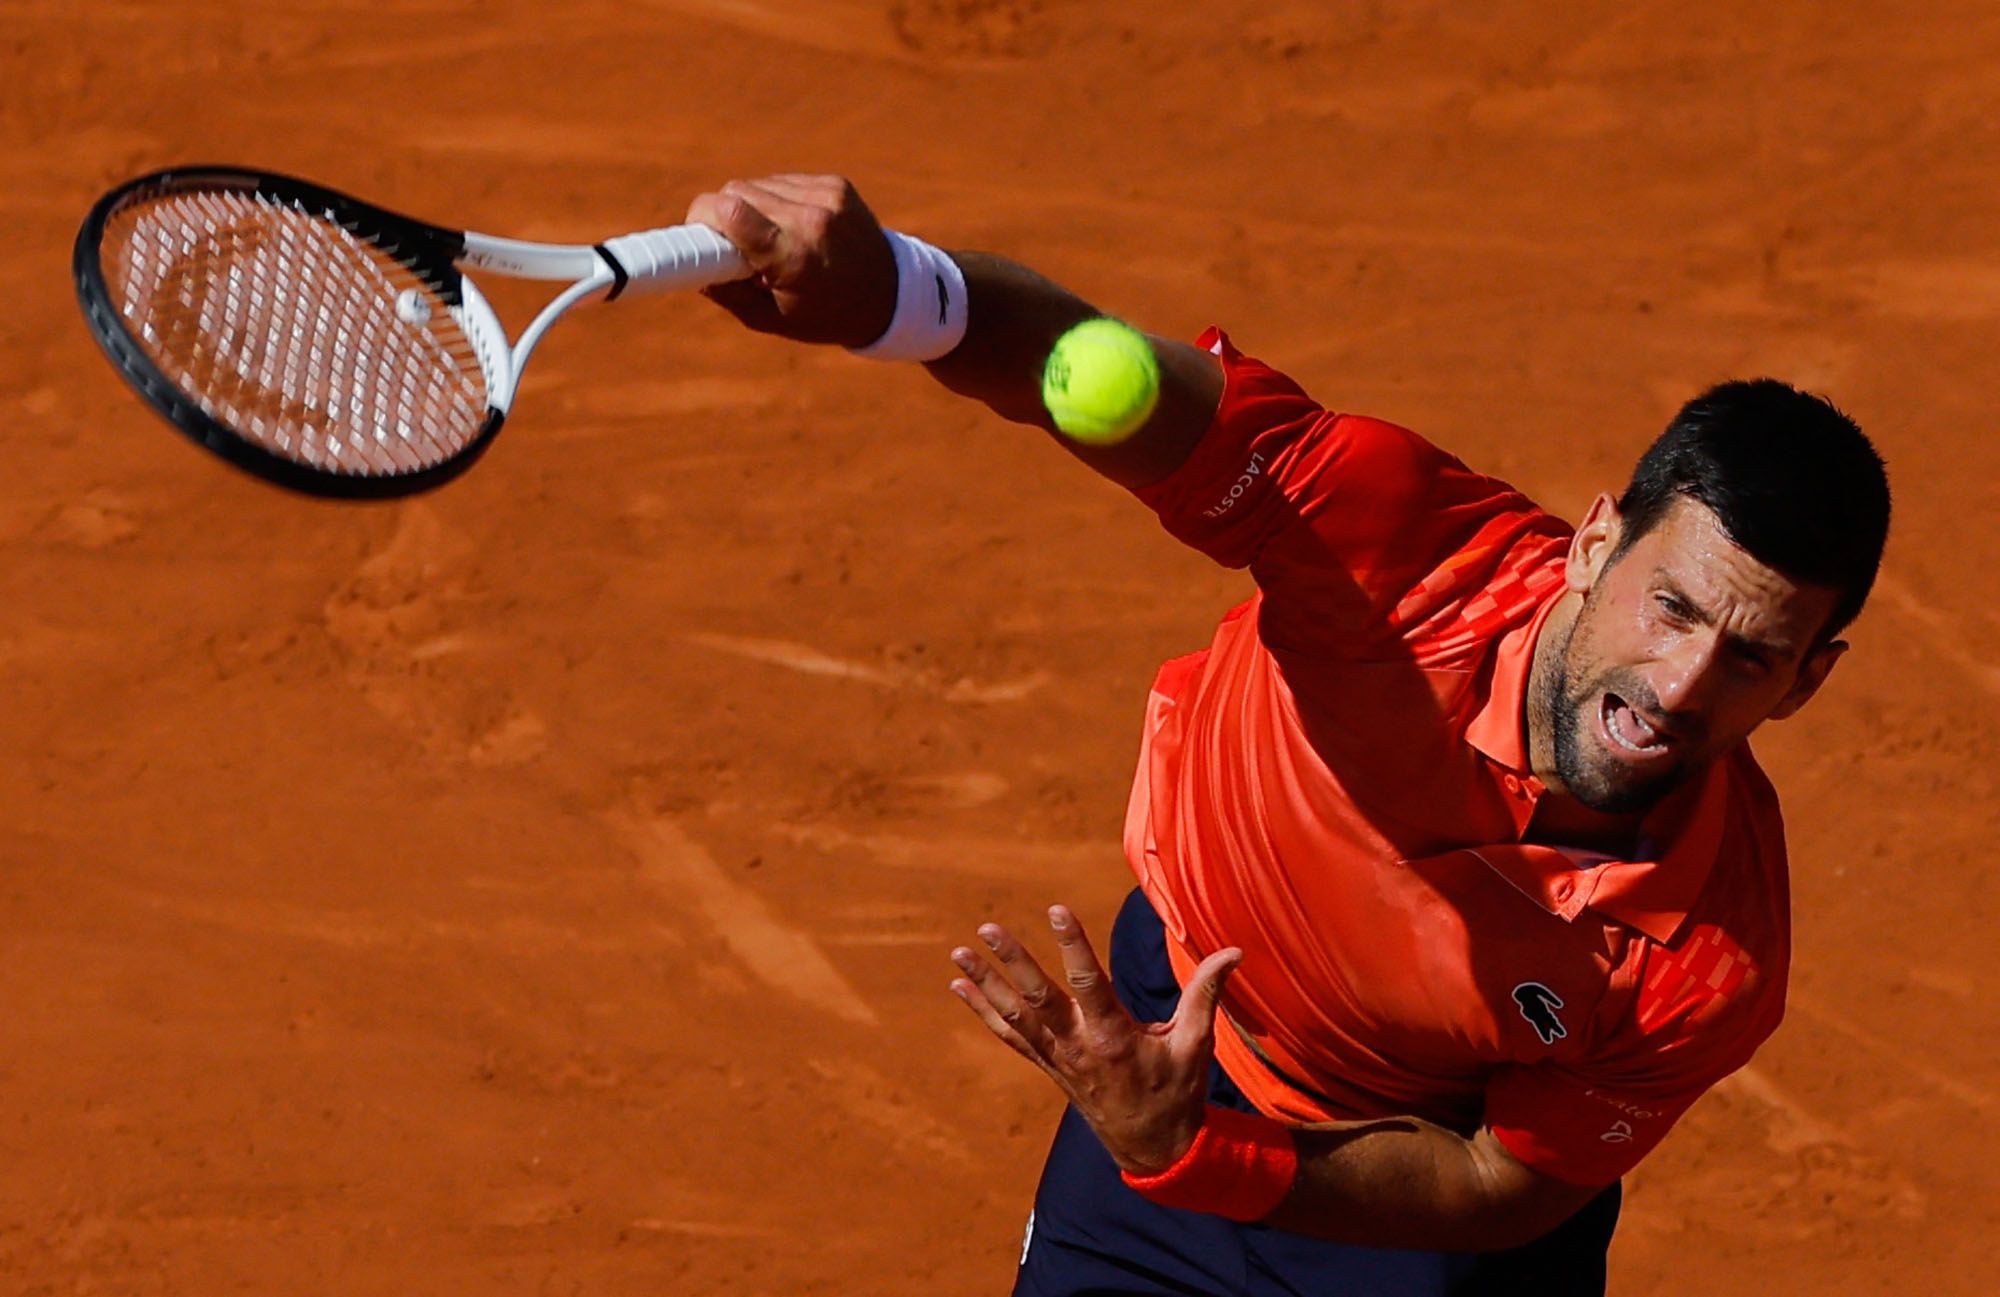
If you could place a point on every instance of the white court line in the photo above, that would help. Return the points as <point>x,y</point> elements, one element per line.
<point>1969,1095</point>
<point>1800,1129</point>
<point>1944,639</point>
<point>808,660</point>
<point>776,953</point>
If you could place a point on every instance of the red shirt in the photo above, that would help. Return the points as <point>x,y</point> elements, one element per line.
<point>1339,785</point>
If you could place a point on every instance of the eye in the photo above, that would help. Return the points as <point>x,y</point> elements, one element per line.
<point>1750,661</point>
<point>1675,608</point>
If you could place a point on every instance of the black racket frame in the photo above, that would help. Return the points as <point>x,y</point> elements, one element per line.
<point>429,251</point>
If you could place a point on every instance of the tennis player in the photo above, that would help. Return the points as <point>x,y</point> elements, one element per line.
<point>1457,881</point>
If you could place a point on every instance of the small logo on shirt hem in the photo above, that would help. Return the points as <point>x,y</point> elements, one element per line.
<point>1538,1004</point>
<point>1631,1110</point>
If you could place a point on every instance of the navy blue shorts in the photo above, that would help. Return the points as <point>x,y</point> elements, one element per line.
<point>1090,1234</point>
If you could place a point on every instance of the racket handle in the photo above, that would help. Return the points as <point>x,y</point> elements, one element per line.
<point>679,256</point>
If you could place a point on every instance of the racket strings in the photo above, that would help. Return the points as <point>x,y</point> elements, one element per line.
<point>285,328</point>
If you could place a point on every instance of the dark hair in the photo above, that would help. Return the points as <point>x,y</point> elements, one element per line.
<point>1790,478</point>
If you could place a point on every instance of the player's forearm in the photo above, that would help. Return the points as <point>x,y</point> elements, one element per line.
<point>1402,1182</point>
<point>1015,317</point>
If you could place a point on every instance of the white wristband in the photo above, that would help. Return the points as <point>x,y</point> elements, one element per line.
<point>930,304</point>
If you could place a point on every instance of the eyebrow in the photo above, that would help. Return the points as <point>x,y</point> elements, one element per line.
<point>1779,649</point>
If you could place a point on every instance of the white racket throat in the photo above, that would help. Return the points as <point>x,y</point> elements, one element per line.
<point>488,337</point>
<point>662,260</point>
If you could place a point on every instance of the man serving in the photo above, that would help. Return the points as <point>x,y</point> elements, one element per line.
<point>1458,883</point>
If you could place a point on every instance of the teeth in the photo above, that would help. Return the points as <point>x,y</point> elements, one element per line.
<point>1647,732</point>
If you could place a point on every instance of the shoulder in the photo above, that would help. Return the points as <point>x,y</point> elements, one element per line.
<point>1716,990</point>
<point>1749,889</point>
<point>1758,813</point>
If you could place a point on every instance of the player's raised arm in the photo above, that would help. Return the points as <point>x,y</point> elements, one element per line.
<point>1017,317</point>
<point>985,326</point>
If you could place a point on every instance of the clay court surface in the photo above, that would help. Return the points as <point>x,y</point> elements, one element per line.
<point>543,887</point>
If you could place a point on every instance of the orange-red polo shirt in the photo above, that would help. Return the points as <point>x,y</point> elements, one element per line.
<point>1339,785</point>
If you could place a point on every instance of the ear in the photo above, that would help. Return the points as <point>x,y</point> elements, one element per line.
<point>1595,540</point>
<point>1818,665</point>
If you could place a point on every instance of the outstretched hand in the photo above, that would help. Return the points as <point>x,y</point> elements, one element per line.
<point>823,270</point>
<point>1141,1086</point>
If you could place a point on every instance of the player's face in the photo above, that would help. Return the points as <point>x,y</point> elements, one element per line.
<point>1685,644</point>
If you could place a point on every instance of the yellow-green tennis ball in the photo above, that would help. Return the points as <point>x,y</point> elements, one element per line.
<point>1101,382</point>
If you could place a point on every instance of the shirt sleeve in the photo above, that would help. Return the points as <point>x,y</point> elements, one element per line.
<point>1576,1128</point>
<point>1362,536</point>
<point>1591,1122</point>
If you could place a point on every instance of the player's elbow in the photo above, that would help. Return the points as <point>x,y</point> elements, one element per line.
<point>1507,1204</point>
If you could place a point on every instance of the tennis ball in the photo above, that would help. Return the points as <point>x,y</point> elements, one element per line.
<point>1101,382</point>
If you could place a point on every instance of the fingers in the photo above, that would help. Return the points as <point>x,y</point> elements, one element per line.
<point>1193,1029</point>
<point>976,1000</point>
<point>759,239</point>
<point>1016,1001</point>
<point>739,220</point>
<point>1033,986</point>
<point>794,209</point>
<point>824,271</point>
<point>1139,1087</point>
<point>818,191</point>
<point>1088,983</point>
<point>776,229</point>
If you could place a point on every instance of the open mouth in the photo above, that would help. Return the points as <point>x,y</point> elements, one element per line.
<point>1629,732</point>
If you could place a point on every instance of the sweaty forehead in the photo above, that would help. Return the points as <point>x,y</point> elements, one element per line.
<point>1690,550</point>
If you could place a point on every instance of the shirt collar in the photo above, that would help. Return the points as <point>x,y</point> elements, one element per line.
<point>1684,832</point>
<point>1498,729</point>
<point>1653,894</point>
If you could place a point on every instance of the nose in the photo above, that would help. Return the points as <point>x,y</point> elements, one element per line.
<point>1682,681</point>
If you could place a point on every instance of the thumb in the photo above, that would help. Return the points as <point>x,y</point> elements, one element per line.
<point>750,302</point>
<point>1194,1021</point>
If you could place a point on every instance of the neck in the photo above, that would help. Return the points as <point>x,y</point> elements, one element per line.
<point>1561,819</point>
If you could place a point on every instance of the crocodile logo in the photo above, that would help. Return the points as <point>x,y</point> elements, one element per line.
<point>1538,1005</point>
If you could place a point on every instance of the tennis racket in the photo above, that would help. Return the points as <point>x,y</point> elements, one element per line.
<point>324,343</point>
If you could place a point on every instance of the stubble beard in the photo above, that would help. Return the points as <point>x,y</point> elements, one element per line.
<point>1598,783</point>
